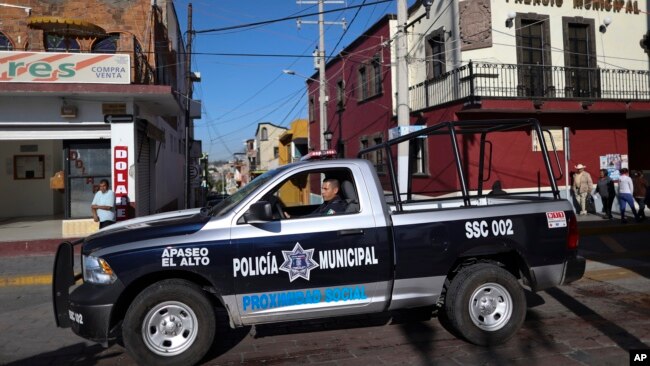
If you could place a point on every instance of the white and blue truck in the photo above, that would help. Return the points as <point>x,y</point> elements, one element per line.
<point>154,283</point>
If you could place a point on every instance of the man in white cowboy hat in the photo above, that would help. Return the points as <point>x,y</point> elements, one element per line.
<point>582,185</point>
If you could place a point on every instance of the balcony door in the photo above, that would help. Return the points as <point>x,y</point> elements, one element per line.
<point>580,58</point>
<point>533,56</point>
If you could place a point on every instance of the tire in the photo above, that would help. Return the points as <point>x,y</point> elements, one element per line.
<point>484,304</point>
<point>169,323</point>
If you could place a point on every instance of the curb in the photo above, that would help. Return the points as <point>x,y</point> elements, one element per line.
<point>595,229</point>
<point>31,247</point>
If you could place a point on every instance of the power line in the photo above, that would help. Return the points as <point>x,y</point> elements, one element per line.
<point>346,29</point>
<point>285,18</point>
<point>252,55</point>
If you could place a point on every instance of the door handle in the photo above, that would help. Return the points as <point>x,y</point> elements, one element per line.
<point>351,232</point>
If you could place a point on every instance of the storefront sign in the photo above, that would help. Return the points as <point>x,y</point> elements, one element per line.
<point>617,6</point>
<point>121,181</point>
<point>53,67</point>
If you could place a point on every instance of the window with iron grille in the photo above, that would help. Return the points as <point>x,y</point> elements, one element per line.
<point>379,156</point>
<point>5,43</point>
<point>340,95</point>
<point>364,143</point>
<point>418,156</point>
<point>363,83</point>
<point>370,78</point>
<point>57,43</point>
<point>311,109</point>
<point>376,75</point>
<point>106,45</point>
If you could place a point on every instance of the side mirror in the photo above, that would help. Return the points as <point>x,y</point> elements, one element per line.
<point>259,213</point>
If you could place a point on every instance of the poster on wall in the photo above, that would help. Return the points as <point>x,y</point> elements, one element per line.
<point>614,163</point>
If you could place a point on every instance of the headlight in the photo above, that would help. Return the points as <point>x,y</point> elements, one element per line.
<point>97,270</point>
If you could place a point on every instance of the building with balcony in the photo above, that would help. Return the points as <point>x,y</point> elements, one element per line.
<point>89,91</point>
<point>579,67</point>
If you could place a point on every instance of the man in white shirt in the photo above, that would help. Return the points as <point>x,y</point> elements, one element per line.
<point>103,204</point>
<point>625,189</point>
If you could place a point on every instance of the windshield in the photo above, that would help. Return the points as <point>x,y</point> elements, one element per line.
<point>235,198</point>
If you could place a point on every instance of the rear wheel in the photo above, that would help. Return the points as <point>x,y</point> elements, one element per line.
<point>169,323</point>
<point>484,304</point>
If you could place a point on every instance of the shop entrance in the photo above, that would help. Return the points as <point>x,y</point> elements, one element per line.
<point>86,164</point>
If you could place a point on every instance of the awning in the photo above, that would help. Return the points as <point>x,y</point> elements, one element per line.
<point>66,26</point>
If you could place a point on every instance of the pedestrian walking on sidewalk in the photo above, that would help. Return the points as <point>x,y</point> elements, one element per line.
<point>625,189</point>
<point>583,185</point>
<point>640,189</point>
<point>103,205</point>
<point>607,192</point>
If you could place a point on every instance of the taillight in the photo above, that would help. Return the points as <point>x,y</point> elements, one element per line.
<point>572,237</point>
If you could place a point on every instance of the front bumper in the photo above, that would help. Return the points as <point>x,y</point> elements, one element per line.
<point>87,310</point>
<point>574,269</point>
<point>90,321</point>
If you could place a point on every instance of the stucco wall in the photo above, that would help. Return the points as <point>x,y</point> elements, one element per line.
<point>30,197</point>
<point>267,159</point>
<point>618,47</point>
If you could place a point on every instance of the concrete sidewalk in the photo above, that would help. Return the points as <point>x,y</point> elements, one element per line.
<point>42,235</point>
<point>25,236</point>
<point>597,224</point>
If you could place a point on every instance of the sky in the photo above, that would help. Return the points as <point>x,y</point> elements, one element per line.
<point>238,92</point>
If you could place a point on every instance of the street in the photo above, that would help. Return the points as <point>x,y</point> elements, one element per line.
<point>591,322</point>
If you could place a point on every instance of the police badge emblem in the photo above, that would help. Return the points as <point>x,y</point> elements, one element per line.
<point>298,262</point>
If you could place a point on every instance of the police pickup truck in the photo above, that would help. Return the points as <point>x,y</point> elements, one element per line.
<point>263,256</point>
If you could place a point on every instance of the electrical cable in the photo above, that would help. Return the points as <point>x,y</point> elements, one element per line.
<point>346,29</point>
<point>283,19</point>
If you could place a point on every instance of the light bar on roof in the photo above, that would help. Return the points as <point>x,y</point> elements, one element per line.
<point>320,155</point>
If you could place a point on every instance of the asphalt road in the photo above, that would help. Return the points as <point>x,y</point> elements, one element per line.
<point>594,321</point>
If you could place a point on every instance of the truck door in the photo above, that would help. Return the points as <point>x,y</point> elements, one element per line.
<point>302,264</point>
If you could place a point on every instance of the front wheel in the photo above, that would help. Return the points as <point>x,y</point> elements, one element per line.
<point>169,323</point>
<point>485,304</point>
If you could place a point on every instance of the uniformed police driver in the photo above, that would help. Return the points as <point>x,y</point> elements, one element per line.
<point>332,202</point>
<point>103,204</point>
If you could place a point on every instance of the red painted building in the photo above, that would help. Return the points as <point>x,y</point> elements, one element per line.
<point>359,86</point>
<point>556,65</point>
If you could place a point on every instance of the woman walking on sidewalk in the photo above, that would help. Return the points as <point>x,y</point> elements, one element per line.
<point>607,192</point>
<point>625,189</point>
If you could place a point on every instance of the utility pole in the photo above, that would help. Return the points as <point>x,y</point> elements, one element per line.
<point>402,96</point>
<point>188,96</point>
<point>322,83</point>
<point>322,87</point>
